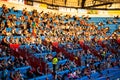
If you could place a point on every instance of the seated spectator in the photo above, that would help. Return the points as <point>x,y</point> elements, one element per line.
<point>4,74</point>
<point>5,9</point>
<point>114,21</point>
<point>39,73</point>
<point>49,57</point>
<point>30,73</point>
<point>17,76</point>
<point>109,22</point>
<point>72,75</point>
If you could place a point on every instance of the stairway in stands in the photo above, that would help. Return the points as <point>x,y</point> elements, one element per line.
<point>95,52</point>
<point>108,47</point>
<point>33,61</point>
<point>70,56</point>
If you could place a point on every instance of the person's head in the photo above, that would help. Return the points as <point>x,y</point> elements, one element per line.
<point>3,6</point>
<point>13,8</point>
<point>108,78</point>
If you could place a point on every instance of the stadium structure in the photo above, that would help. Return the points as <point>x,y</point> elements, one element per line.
<point>59,39</point>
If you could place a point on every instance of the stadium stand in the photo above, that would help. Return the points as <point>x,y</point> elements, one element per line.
<point>87,48</point>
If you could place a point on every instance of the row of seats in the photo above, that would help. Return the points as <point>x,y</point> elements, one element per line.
<point>74,51</point>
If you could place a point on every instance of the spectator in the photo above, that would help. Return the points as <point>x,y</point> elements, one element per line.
<point>5,74</point>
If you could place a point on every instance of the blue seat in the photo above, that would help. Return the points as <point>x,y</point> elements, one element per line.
<point>84,78</point>
<point>49,76</point>
<point>0,74</point>
<point>62,61</point>
<point>4,58</point>
<point>62,72</point>
<point>42,37</point>
<point>95,75</point>
<point>1,37</point>
<point>23,69</point>
<point>18,23</point>
<point>8,29</point>
<point>101,78</point>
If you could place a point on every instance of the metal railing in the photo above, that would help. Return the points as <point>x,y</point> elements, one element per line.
<point>78,4</point>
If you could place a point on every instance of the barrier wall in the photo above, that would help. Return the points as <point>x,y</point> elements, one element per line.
<point>48,8</point>
<point>40,5</point>
<point>114,12</point>
<point>15,1</point>
<point>89,12</point>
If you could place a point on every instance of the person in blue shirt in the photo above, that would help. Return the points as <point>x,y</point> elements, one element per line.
<point>4,74</point>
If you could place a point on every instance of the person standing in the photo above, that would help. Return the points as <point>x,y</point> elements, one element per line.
<point>54,62</point>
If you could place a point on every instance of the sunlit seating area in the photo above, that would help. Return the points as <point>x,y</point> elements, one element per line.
<point>87,48</point>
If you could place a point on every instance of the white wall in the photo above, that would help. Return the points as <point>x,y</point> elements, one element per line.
<point>17,1</point>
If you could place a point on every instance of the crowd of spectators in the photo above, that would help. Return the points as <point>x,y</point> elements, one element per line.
<point>92,65</point>
<point>10,66</point>
<point>9,63</point>
<point>55,27</point>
